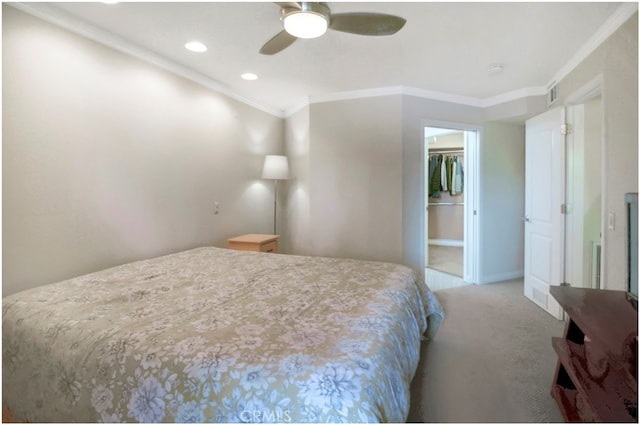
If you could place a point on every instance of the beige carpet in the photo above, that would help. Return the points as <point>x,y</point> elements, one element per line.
<point>491,361</point>
<point>438,280</point>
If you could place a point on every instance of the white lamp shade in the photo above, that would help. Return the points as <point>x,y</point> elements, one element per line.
<point>276,167</point>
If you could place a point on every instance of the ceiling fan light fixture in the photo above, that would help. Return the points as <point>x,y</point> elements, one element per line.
<point>310,22</point>
<point>305,24</point>
<point>312,19</point>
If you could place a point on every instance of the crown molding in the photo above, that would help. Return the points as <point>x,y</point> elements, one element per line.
<point>424,94</point>
<point>398,90</point>
<point>356,94</point>
<point>475,101</point>
<point>294,109</point>
<point>61,18</point>
<point>443,97</point>
<point>513,95</point>
<point>346,95</point>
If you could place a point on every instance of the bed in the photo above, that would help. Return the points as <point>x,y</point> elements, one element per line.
<point>217,335</point>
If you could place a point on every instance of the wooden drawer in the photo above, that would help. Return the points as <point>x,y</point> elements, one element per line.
<point>269,247</point>
<point>254,242</point>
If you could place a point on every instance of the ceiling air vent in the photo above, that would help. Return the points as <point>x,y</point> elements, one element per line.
<point>552,94</point>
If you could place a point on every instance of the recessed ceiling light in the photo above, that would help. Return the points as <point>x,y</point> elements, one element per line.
<point>249,76</point>
<point>195,46</point>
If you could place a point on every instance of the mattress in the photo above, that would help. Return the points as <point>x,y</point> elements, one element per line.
<point>216,335</point>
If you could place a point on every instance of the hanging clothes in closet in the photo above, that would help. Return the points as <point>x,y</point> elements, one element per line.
<point>435,175</point>
<point>446,174</point>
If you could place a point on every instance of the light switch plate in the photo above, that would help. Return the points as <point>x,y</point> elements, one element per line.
<point>611,221</point>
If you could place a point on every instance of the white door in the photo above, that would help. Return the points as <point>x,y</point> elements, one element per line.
<point>544,221</point>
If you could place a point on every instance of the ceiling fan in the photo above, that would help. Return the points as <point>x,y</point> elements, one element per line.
<point>311,19</point>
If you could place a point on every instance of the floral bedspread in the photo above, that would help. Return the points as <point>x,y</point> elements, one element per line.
<point>216,335</point>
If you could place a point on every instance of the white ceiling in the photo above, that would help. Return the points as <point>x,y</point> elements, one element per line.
<point>444,47</point>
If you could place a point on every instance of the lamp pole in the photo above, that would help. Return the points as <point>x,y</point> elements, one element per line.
<point>276,167</point>
<point>275,203</point>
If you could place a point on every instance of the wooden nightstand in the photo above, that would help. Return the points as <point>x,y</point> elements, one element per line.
<point>596,377</point>
<point>254,242</point>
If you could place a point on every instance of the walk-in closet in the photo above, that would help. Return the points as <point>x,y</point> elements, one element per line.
<point>445,186</point>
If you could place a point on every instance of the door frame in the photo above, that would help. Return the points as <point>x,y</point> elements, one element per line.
<point>471,192</point>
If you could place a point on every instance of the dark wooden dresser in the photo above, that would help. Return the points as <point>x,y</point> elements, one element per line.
<point>596,379</point>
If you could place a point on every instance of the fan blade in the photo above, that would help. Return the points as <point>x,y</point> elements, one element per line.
<point>366,23</point>
<point>278,42</point>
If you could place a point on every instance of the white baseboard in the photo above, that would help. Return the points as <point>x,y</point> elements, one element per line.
<point>499,277</point>
<point>446,242</point>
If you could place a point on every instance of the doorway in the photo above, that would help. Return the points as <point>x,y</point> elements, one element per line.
<point>450,172</point>
<point>584,219</point>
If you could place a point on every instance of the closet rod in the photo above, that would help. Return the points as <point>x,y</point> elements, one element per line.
<point>436,151</point>
<point>445,203</point>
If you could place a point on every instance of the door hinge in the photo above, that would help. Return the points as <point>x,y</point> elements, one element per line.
<point>566,129</point>
<point>566,208</point>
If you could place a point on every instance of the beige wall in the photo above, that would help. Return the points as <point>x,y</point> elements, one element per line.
<point>446,222</point>
<point>366,188</point>
<point>298,211</point>
<point>447,141</point>
<point>355,179</point>
<point>502,202</point>
<point>107,159</point>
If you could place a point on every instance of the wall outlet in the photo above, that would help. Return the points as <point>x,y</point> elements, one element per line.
<point>216,208</point>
